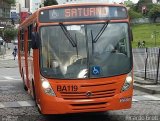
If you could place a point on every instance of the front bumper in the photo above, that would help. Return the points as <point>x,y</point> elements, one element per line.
<point>55,105</point>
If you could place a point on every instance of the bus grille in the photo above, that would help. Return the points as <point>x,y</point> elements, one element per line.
<point>88,95</point>
<point>89,106</point>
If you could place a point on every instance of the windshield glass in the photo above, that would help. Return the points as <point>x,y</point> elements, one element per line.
<point>85,51</point>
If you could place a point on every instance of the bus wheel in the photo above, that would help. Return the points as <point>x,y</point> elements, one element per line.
<point>24,85</point>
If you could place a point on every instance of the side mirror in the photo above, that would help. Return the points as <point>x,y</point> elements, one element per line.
<point>35,40</point>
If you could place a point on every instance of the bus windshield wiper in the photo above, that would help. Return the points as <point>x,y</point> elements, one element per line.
<point>92,42</point>
<point>100,32</point>
<point>76,45</point>
<point>68,35</point>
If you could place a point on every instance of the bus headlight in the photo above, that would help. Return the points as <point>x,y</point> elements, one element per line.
<point>47,87</point>
<point>45,84</point>
<point>127,83</point>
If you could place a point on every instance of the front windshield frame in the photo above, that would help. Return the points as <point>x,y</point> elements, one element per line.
<point>129,43</point>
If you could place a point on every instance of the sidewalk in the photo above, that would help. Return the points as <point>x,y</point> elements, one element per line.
<point>7,56</point>
<point>7,60</point>
<point>146,85</point>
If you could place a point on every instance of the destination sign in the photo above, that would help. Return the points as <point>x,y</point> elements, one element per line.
<point>82,13</point>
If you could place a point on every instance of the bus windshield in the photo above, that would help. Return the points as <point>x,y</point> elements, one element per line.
<point>85,50</point>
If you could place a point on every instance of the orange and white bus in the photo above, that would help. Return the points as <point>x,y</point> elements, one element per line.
<point>77,58</point>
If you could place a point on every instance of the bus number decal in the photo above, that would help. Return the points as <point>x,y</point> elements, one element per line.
<point>67,88</point>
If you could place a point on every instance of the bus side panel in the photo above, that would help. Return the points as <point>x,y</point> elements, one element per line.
<point>19,55</point>
<point>30,64</point>
<point>36,69</point>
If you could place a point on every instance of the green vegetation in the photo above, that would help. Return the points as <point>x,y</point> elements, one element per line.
<point>150,33</point>
<point>10,1</point>
<point>133,14</point>
<point>146,32</point>
<point>144,8</point>
<point>8,34</point>
<point>154,12</point>
<point>50,2</point>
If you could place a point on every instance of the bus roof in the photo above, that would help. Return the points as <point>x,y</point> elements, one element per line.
<point>80,4</point>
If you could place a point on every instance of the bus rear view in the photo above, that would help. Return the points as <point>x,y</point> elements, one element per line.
<point>85,59</point>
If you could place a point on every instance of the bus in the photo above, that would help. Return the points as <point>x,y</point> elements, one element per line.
<point>77,58</point>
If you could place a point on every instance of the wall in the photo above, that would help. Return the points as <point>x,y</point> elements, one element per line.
<point>34,5</point>
<point>143,21</point>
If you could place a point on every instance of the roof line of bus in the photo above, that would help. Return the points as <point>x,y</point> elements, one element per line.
<point>79,4</point>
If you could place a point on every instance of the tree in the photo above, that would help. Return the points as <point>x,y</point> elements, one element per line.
<point>9,34</point>
<point>50,2</point>
<point>154,12</point>
<point>142,3</point>
<point>133,14</point>
<point>10,1</point>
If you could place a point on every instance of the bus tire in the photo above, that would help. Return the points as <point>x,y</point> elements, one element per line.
<point>24,85</point>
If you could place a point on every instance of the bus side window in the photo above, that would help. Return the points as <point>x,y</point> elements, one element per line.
<point>30,51</point>
<point>22,42</point>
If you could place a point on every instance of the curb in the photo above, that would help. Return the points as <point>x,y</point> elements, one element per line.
<point>146,86</point>
<point>8,66</point>
<point>145,89</point>
<point>142,81</point>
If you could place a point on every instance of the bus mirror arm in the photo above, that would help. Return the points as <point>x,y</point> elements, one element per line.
<point>35,40</point>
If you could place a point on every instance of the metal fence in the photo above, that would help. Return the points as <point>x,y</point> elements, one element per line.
<point>146,63</point>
